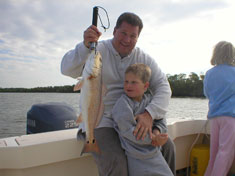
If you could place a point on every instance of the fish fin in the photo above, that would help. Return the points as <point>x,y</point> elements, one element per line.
<point>91,77</point>
<point>91,148</point>
<point>79,119</point>
<point>78,86</point>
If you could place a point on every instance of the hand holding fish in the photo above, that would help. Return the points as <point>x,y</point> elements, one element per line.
<point>144,125</point>
<point>91,34</point>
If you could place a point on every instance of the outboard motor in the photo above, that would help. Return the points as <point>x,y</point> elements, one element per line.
<point>51,116</point>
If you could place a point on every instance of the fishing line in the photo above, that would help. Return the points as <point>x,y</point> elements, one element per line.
<point>105,28</point>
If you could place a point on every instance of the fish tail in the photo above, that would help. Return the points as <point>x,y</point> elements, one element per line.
<point>79,85</point>
<point>91,147</point>
<point>79,119</point>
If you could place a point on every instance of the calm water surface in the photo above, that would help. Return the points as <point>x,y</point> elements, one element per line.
<point>14,108</point>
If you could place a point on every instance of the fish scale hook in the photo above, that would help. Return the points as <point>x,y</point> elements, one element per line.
<point>94,22</point>
<point>105,28</point>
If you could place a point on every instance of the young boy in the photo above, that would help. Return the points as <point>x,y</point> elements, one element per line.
<point>144,156</point>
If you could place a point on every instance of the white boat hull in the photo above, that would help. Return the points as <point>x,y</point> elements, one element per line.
<point>58,153</point>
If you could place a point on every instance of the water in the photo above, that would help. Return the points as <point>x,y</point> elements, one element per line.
<point>14,108</point>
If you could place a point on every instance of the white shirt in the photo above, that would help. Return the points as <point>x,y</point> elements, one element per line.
<point>113,71</point>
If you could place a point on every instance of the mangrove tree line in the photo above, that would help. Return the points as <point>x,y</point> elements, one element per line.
<point>182,85</point>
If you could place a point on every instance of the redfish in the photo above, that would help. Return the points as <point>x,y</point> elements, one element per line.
<point>91,99</point>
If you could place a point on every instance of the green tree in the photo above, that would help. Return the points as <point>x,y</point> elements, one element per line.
<point>182,86</point>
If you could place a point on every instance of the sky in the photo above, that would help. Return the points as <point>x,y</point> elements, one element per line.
<point>179,34</point>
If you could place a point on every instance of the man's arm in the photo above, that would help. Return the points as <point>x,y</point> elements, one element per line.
<point>160,124</point>
<point>157,108</point>
<point>161,93</point>
<point>73,61</point>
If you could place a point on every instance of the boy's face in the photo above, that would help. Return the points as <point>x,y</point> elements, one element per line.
<point>134,87</point>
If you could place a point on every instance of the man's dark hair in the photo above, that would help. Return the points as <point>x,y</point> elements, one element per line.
<point>131,19</point>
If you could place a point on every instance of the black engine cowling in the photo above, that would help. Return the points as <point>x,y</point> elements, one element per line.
<point>50,116</point>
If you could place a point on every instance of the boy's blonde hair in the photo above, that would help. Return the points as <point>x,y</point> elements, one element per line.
<point>142,71</point>
<point>223,53</point>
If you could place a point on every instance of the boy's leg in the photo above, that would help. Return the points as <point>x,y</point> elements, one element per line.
<point>112,160</point>
<point>168,152</point>
<point>149,167</point>
<point>109,143</point>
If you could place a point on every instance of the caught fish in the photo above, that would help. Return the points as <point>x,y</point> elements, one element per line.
<point>91,99</point>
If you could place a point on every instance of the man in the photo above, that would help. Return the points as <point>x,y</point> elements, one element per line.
<point>117,54</point>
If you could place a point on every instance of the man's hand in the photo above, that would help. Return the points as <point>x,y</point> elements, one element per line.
<point>144,125</point>
<point>91,34</point>
<point>158,138</point>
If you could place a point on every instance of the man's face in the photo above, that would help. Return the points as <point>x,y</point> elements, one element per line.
<point>125,38</point>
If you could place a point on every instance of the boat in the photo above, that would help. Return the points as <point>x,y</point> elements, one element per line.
<point>57,153</point>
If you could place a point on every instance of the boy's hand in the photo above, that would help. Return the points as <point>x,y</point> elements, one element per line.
<point>158,138</point>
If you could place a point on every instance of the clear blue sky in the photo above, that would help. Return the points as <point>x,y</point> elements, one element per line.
<point>179,34</point>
